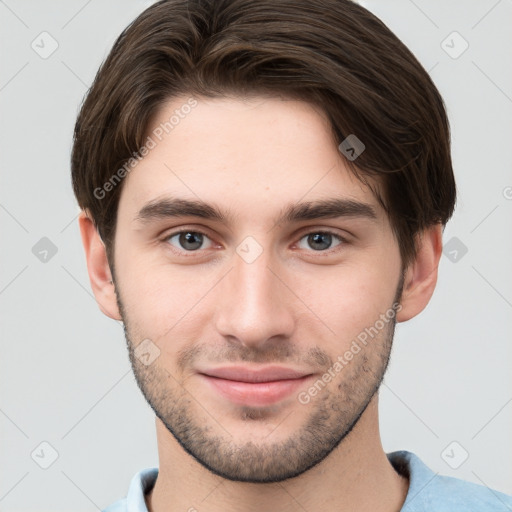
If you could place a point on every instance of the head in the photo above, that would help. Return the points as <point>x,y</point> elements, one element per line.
<point>239,237</point>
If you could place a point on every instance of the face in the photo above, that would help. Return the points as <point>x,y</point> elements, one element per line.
<point>260,279</point>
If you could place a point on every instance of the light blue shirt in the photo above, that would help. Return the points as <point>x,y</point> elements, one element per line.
<point>428,491</point>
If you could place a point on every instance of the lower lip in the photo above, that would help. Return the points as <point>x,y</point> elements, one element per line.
<point>255,393</point>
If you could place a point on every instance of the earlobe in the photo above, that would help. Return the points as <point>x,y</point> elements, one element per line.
<point>421,275</point>
<point>98,268</point>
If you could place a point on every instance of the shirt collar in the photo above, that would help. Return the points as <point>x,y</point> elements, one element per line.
<point>141,484</point>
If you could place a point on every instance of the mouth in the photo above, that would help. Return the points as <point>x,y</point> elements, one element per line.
<point>254,386</point>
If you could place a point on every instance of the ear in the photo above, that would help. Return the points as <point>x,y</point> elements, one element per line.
<point>421,274</point>
<point>100,276</point>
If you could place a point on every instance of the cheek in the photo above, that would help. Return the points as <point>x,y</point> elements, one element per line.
<point>163,301</point>
<point>348,298</point>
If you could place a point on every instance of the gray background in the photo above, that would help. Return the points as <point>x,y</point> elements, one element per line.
<point>65,377</point>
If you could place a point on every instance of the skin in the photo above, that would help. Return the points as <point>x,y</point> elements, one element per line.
<point>295,304</point>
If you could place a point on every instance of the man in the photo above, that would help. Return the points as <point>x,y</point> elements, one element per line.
<point>264,187</point>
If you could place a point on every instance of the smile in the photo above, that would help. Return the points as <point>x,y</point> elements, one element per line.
<point>255,387</point>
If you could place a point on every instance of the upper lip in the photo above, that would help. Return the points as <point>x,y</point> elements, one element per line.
<point>263,374</point>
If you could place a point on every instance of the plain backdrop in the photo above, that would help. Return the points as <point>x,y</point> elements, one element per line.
<point>75,427</point>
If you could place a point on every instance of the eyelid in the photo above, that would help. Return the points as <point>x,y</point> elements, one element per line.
<point>341,239</point>
<point>164,238</point>
<point>342,234</point>
<point>298,236</point>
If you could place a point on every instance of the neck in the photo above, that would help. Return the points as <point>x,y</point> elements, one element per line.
<point>355,476</point>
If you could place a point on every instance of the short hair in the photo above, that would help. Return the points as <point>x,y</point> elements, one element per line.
<point>333,54</point>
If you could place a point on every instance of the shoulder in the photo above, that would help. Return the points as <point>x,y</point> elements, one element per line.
<point>429,491</point>
<point>452,494</point>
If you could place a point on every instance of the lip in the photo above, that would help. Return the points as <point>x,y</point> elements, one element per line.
<point>254,386</point>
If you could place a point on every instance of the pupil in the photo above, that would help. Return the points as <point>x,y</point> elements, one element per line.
<point>316,239</point>
<point>191,238</point>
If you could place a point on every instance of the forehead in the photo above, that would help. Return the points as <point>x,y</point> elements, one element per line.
<point>253,151</point>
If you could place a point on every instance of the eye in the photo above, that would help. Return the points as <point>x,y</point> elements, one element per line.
<point>321,240</point>
<point>188,240</point>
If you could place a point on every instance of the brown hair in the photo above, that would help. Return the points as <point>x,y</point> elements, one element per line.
<point>331,53</point>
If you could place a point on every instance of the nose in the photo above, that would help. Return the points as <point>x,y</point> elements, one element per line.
<point>254,307</point>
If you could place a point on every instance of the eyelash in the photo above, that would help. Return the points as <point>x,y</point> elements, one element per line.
<point>188,254</point>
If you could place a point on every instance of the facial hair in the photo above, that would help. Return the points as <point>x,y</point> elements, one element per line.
<point>333,413</point>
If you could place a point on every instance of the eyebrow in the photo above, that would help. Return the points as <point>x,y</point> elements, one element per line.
<point>168,207</point>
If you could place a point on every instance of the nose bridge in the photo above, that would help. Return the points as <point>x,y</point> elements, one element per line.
<point>252,306</point>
